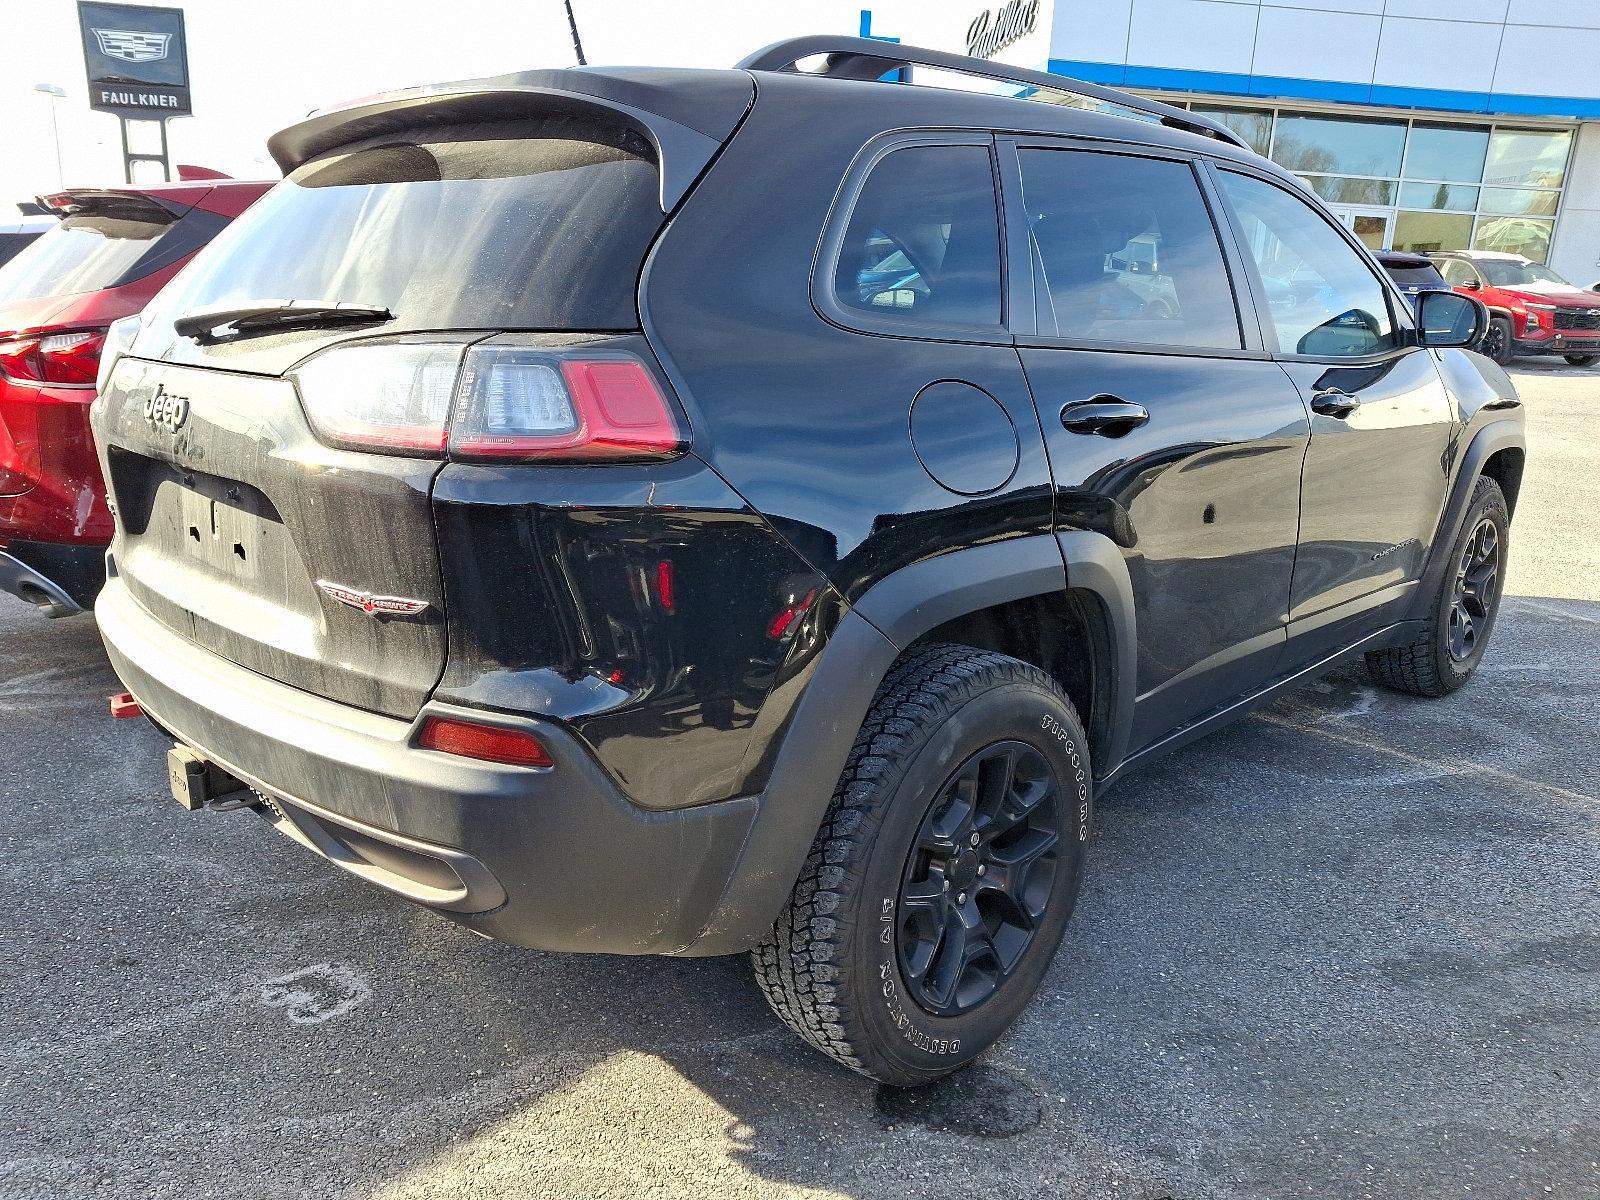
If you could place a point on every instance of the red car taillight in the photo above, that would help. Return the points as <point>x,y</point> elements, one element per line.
<point>67,359</point>
<point>494,402</point>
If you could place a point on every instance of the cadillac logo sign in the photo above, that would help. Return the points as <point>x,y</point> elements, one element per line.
<point>993,31</point>
<point>373,606</point>
<point>131,46</point>
<point>136,58</point>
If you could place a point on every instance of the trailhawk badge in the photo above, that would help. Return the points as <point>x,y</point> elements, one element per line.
<point>374,606</point>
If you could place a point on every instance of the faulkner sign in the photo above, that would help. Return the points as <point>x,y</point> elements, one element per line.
<point>993,31</point>
<point>138,60</point>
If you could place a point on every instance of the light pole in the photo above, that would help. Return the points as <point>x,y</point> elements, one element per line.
<point>55,93</point>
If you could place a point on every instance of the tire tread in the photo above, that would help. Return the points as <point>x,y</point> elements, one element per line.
<point>800,966</point>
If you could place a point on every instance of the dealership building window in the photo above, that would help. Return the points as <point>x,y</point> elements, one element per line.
<point>1418,183</point>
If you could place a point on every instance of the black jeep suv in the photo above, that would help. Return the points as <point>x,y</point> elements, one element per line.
<point>689,512</point>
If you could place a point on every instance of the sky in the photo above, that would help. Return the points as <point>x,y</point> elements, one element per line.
<point>256,67</point>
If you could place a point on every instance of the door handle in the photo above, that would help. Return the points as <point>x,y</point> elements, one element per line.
<point>1105,415</point>
<point>1334,402</point>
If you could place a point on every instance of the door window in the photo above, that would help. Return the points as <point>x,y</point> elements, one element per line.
<point>1323,299</point>
<point>1458,271</point>
<point>923,243</point>
<point>1128,251</point>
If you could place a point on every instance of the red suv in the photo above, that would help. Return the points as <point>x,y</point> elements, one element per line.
<point>113,249</point>
<point>1532,310</point>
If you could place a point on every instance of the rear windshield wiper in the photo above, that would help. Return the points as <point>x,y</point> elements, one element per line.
<point>265,316</point>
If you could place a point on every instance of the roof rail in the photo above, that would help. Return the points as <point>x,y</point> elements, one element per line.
<point>867,59</point>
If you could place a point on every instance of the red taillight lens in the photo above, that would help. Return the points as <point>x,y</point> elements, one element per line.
<point>497,401</point>
<point>491,743</point>
<point>522,402</point>
<point>65,359</point>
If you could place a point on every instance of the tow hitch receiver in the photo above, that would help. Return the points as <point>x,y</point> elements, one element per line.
<point>199,783</point>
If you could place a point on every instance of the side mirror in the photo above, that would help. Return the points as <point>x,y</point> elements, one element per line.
<point>1471,285</point>
<point>1446,319</point>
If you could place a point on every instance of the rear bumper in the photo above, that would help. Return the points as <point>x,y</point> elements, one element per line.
<point>59,579</point>
<point>554,859</point>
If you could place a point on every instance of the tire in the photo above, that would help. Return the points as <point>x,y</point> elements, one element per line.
<point>1581,360</point>
<point>1500,342</point>
<point>1440,660</point>
<point>855,962</point>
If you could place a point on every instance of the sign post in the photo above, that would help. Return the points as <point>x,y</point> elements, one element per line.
<point>137,60</point>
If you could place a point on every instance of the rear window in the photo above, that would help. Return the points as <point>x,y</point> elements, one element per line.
<point>1416,276</point>
<point>527,225</point>
<point>84,254</point>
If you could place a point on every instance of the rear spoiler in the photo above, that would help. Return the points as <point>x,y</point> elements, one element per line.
<point>109,202</point>
<point>685,125</point>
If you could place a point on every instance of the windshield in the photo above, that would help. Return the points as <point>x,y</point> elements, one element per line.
<point>83,254</point>
<point>1514,274</point>
<point>529,225</point>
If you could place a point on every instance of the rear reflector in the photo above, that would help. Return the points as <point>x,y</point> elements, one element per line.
<point>490,743</point>
<point>123,705</point>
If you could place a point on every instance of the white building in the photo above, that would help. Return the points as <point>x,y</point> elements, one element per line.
<point>1427,124</point>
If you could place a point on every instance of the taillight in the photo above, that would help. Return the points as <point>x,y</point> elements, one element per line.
<point>389,396</point>
<point>65,359</point>
<point>492,743</point>
<point>492,402</point>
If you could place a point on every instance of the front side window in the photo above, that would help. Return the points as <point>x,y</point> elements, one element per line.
<point>1324,301</point>
<point>923,243</point>
<point>1458,272</point>
<point>1128,251</point>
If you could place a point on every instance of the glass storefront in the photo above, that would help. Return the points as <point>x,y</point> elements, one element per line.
<point>1445,186</point>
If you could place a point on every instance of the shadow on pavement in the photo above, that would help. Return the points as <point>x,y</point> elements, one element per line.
<point>1349,945</point>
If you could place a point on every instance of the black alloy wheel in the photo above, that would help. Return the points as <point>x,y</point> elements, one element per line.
<point>978,877</point>
<point>1581,360</point>
<point>1477,582</point>
<point>1496,343</point>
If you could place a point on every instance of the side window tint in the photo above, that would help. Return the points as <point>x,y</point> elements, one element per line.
<point>1128,250</point>
<point>1323,299</point>
<point>1457,272</point>
<point>924,240</point>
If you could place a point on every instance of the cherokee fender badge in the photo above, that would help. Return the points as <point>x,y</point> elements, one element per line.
<point>373,606</point>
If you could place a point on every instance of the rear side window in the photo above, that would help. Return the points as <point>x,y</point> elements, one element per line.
<point>1127,250</point>
<point>923,243</point>
<point>84,254</point>
<point>1323,299</point>
<point>503,225</point>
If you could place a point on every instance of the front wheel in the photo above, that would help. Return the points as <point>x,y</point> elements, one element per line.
<point>1461,618</point>
<point>1581,360</point>
<point>941,881</point>
<point>1499,342</point>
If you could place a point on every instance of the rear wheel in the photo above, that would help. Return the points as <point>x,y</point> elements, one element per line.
<point>1498,342</point>
<point>1445,654</point>
<point>1581,360</point>
<point>940,883</point>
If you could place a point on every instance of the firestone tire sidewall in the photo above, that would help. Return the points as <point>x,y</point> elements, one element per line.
<point>923,1046</point>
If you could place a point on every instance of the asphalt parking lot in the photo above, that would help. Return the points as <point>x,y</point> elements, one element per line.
<point>1349,947</point>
